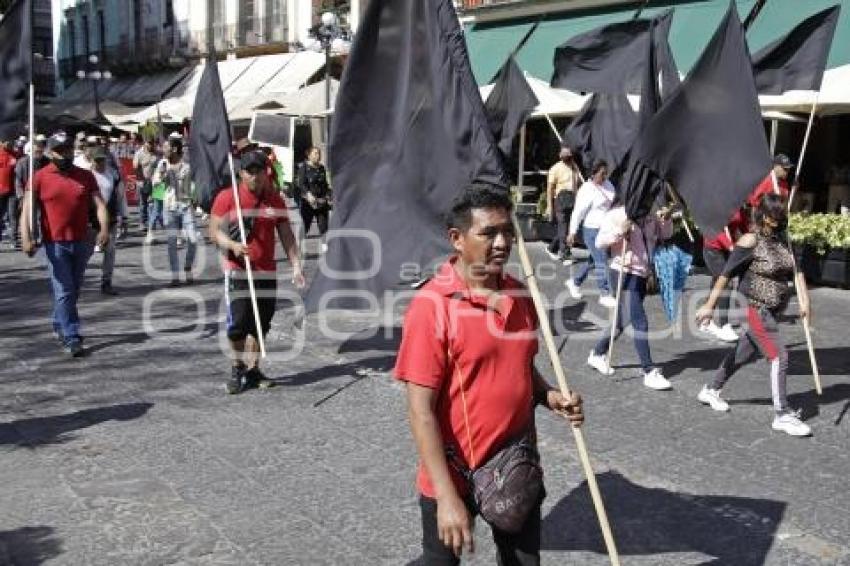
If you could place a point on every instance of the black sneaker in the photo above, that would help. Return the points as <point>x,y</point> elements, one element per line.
<point>189,278</point>
<point>257,379</point>
<point>238,381</point>
<point>74,348</point>
<point>107,289</point>
<point>175,282</point>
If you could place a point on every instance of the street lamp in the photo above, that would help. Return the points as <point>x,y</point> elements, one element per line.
<point>330,37</point>
<point>95,75</point>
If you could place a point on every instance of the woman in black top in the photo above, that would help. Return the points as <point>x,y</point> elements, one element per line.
<point>765,267</point>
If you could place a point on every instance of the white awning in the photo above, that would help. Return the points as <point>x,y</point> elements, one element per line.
<point>296,74</point>
<point>552,101</point>
<point>308,101</point>
<point>834,97</point>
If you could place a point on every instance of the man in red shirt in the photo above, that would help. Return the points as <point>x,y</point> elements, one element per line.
<point>8,202</point>
<point>466,355</point>
<point>716,250</point>
<point>64,194</point>
<point>265,217</point>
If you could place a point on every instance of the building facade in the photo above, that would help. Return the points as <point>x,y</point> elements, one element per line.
<point>137,37</point>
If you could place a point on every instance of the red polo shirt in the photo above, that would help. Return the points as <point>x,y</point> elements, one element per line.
<point>739,223</point>
<point>492,350</point>
<point>7,171</point>
<point>65,199</point>
<point>268,211</point>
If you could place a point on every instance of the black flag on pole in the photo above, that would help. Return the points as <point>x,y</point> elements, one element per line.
<point>611,58</point>
<point>604,129</point>
<point>15,68</point>
<point>209,138</point>
<point>409,132</point>
<point>707,140</point>
<point>797,60</point>
<point>509,104</point>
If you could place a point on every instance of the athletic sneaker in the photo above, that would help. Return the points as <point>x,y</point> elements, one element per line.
<point>149,238</point>
<point>553,255</point>
<point>74,348</point>
<point>710,328</point>
<point>599,363</point>
<point>107,289</point>
<point>238,381</point>
<point>575,292</point>
<point>567,261</point>
<point>654,379</point>
<point>607,301</point>
<point>711,397</point>
<point>790,423</point>
<point>727,333</point>
<point>254,378</point>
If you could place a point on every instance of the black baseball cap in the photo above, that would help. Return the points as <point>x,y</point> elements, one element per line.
<point>253,158</point>
<point>783,161</point>
<point>59,140</point>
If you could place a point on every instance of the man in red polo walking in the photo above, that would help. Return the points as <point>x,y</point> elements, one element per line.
<point>467,353</point>
<point>65,194</point>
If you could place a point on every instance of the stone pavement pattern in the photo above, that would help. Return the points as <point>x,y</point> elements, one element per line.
<point>134,455</point>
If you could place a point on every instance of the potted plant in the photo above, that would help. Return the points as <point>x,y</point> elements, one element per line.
<point>822,244</point>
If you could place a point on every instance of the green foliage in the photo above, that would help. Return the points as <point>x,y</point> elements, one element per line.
<point>821,231</point>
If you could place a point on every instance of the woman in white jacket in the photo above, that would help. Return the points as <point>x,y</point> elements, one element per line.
<point>593,200</point>
<point>641,240</point>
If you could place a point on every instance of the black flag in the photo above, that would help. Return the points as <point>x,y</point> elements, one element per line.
<point>209,138</point>
<point>509,105</point>
<point>15,68</point>
<point>797,60</point>
<point>409,132</point>
<point>611,58</point>
<point>707,140</point>
<point>604,129</point>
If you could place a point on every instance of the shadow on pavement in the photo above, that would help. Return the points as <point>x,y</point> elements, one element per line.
<point>382,339</point>
<point>377,364</point>
<point>42,431</point>
<point>808,401</point>
<point>29,545</point>
<point>831,361</point>
<point>650,521</point>
<point>568,319</point>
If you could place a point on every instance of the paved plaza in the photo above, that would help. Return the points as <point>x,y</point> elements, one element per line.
<point>134,455</point>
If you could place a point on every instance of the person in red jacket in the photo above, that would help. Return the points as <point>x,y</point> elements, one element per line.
<point>716,250</point>
<point>8,202</point>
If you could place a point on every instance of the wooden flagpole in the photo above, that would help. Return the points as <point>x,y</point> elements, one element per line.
<point>248,271</point>
<point>561,141</point>
<point>31,172</point>
<point>797,274</point>
<point>609,356</point>
<point>684,220</point>
<point>543,317</point>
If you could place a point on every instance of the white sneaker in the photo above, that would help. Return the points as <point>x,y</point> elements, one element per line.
<point>149,238</point>
<point>710,328</point>
<point>600,364</point>
<point>575,292</point>
<point>97,249</point>
<point>654,379</point>
<point>324,248</point>
<point>553,255</point>
<point>789,423</point>
<point>567,261</point>
<point>727,333</point>
<point>607,301</point>
<point>711,397</point>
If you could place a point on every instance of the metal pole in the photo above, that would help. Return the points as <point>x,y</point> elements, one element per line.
<point>327,42</point>
<point>774,131</point>
<point>96,101</point>
<point>521,173</point>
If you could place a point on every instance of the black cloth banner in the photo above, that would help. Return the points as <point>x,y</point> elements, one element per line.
<point>15,68</point>
<point>797,60</point>
<point>409,133</point>
<point>209,138</point>
<point>604,129</point>
<point>707,140</point>
<point>611,58</point>
<point>509,105</point>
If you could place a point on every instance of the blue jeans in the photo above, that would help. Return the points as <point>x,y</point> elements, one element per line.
<point>598,261</point>
<point>66,264</point>
<point>181,219</point>
<point>631,306</point>
<point>155,213</point>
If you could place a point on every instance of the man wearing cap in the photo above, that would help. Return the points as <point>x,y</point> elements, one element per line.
<point>145,162</point>
<point>65,194</point>
<point>561,186</point>
<point>22,173</point>
<point>8,204</point>
<point>113,193</point>
<point>178,216</point>
<point>265,216</point>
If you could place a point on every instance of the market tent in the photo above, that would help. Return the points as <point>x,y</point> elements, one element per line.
<point>834,97</point>
<point>59,110</point>
<point>308,101</point>
<point>553,101</point>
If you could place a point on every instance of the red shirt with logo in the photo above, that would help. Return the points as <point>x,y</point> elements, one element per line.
<point>66,199</point>
<point>7,171</point>
<point>739,223</point>
<point>453,337</point>
<point>266,212</point>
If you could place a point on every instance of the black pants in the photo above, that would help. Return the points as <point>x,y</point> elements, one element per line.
<point>521,549</point>
<point>9,210</point>
<point>564,204</point>
<point>715,260</point>
<point>144,203</point>
<point>308,213</point>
